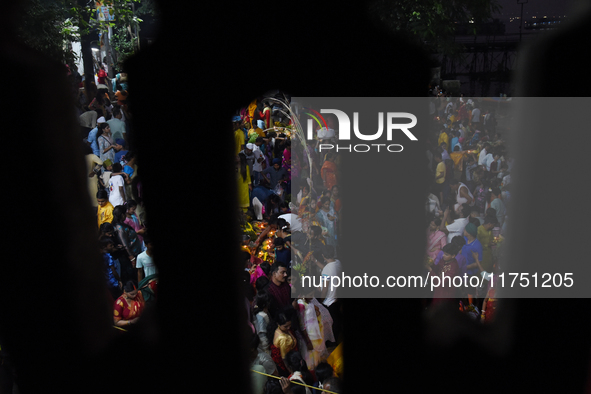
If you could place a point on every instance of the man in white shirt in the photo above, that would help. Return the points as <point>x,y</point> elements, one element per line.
<point>457,227</point>
<point>483,153</point>
<point>116,187</point>
<point>88,119</point>
<point>488,160</point>
<point>145,262</point>
<point>476,116</point>
<point>259,159</point>
<point>248,152</point>
<point>449,106</point>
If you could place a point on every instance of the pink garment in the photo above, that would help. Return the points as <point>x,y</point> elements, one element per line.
<point>441,239</point>
<point>134,223</point>
<point>258,272</point>
<point>286,157</point>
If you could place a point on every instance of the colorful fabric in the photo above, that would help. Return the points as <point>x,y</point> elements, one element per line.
<point>286,160</point>
<point>471,229</point>
<point>105,213</point>
<point>458,159</point>
<point>276,356</point>
<point>243,190</point>
<point>313,326</point>
<point>335,360</point>
<point>258,272</point>
<point>328,173</point>
<point>443,137</point>
<point>129,239</point>
<point>435,242</point>
<point>104,142</point>
<point>486,237</point>
<point>284,342</point>
<point>238,140</point>
<point>109,266</point>
<point>128,309</point>
<point>447,290</point>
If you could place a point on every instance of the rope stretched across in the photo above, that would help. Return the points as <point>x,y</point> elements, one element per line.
<point>271,376</point>
<point>301,384</point>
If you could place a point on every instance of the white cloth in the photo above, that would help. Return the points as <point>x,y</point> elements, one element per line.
<point>147,263</point>
<point>266,361</point>
<point>106,178</point>
<point>115,197</point>
<point>475,115</point>
<point>456,228</point>
<point>462,131</point>
<point>310,324</point>
<point>448,107</point>
<point>331,269</point>
<point>326,320</point>
<point>433,205</point>
<point>506,180</point>
<point>461,200</point>
<point>481,156</point>
<point>298,376</point>
<point>258,208</point>
<point>326,134</point>
<point>294,222</point>
<point>261,321</point>
<point>88,119</point>
<point>117,128</point>
<point>256,166</point>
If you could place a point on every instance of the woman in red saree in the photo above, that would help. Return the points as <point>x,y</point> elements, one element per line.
<point>129,307</point>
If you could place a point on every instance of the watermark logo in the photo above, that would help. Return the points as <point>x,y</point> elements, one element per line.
<point>344,128</point>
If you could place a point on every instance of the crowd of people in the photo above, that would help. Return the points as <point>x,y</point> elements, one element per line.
<point>288,209</point>
<point>289,206</point>
<point>467,204</point>
<point>466,221</point>
<point>116,195</point>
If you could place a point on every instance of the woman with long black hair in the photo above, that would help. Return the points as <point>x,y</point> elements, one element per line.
<point>244,182</point>
<point>282,340</point>
<point>105,142</point>
<point>129,307</point>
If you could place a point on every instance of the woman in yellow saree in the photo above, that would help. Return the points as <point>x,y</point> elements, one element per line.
<point>244,182</point>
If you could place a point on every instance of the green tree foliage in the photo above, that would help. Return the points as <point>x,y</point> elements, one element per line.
<point>122,43</point>
<point>50,25</point>
<point>432,23</point>
<point>44,26</point>
<point>147,7</point>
